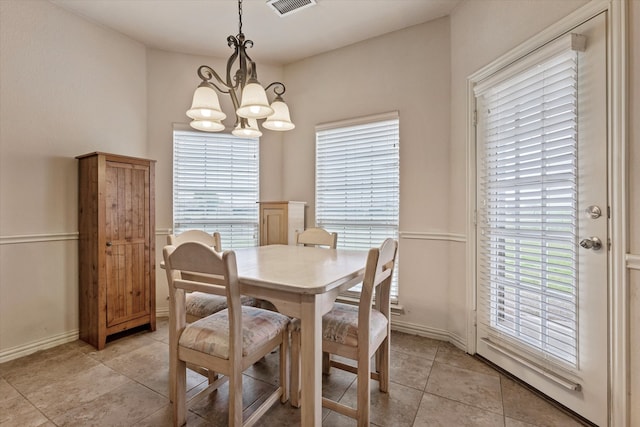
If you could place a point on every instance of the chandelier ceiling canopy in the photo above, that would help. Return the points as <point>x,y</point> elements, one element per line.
<point>248,96</point>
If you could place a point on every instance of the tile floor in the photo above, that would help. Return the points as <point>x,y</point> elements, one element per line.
<point>126,384</point>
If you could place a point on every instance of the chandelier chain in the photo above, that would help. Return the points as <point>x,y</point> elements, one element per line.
<point>240,16</point>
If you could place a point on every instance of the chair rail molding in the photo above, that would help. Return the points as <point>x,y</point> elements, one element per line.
<point>433,235</point>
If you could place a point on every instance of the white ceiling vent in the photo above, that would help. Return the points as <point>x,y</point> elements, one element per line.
<point>287,7</point>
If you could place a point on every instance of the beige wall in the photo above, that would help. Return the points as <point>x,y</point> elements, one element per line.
<point>407,71</point>
<point>68,88</point>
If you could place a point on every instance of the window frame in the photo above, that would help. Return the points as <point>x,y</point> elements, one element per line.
<point>248,227</point>
<point>323,130</point>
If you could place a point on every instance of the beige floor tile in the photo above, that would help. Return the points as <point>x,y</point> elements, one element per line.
<point>336,384</point>
<point>7,392</point>
<point>19,412</point>
<point>414,344</point>
<point>149,365</point>
<point>36,371</point>
<point>121,346</point>
<point>465,386</point>
<point>394,409</point>
<point>523,405</point>
<point>436,411</point>
<point>162,331</point>
<point>213,406</point>
<point>123,406</point>
<point>266,369</point>
<point>451,355</point>
<point>409,370</point>
<point>164,418</point>
<point>510,422</point>
<point>59,397</point>
<point>281,415</point>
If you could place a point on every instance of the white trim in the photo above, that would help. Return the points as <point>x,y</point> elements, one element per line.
<point>43,344</point>
<point>36,238</point>
<point>56,237</point>
<point>427,332</point>
<point>617,123</point>
<point>392,115</point>
<point>619,363</point>
<point>162,312</point>
<point>419,235</point>
<point>633,262</point>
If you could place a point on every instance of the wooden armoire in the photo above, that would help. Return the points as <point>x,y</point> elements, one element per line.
<point>116,222</point>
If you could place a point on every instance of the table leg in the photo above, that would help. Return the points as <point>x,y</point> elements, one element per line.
<point>311,362</point>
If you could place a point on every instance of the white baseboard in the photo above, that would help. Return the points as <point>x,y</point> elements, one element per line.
<point>162,312</point>
<point>433,333</point>
<point>27,349</point>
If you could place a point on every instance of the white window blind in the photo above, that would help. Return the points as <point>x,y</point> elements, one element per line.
<point>357,183</point>
<point>527,212</point>
<point>215,186</point>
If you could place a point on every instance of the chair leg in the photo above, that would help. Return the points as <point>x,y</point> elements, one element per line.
<point>326,363</point>
<point>295,369</point>
<point>382,364</point>
<point>363,390</point>
<point>179,387</point>
<point>284,377</point>
<point>235,398</point>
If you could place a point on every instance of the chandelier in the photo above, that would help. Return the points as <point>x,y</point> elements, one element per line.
<point>243,84</point>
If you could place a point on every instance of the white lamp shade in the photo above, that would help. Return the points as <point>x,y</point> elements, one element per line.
<point>248,132</point>
<point>207,125</point>
<point>254,104</point>
<point>280,119</point>
<point>205,105</point>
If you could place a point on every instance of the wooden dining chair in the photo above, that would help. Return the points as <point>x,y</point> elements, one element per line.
<point>226,342</point>
<point>198,304</point>
<point>358,333</point>
<point>315,236</point>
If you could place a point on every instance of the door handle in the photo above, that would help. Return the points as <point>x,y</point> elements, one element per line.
<point>591,243</point>
<point>109,244</point>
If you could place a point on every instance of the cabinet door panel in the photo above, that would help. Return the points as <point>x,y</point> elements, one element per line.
<point>127,234</point>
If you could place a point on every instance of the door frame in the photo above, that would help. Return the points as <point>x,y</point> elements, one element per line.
<point>617,114</point>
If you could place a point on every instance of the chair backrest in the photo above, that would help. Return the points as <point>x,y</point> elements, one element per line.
<point>378,273</point>
<point>317,237</point>
<point>212,240</point>
<point>196,266</point>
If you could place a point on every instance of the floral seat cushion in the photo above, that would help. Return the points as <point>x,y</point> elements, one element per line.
<point>341,324</point>
<point>200,304</point>
<point>211,334</point>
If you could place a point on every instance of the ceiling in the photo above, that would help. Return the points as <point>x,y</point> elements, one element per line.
<point>201,27</point>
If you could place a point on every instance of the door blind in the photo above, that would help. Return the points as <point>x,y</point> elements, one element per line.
<point>527,212</point>
<point>215,186</point>
<point>357,184</point>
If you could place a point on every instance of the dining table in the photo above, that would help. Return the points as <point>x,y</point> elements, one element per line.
<point>301,282</point>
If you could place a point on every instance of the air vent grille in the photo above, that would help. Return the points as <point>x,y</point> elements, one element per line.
<point>287,7</point>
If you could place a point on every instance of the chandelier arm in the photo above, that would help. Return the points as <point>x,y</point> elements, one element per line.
<point>206,73</point>
<point>278,88</point>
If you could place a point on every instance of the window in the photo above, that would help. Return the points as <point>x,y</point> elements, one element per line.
<point>357,182</point>
<point>215,186</point>
<point>528,222</point>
